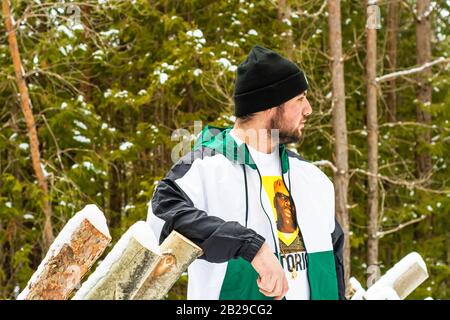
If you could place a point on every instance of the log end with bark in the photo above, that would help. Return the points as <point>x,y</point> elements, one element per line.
<point>177,253</point>
<point>123,271</point>
<point>397,283</point>
<point>80,243</point>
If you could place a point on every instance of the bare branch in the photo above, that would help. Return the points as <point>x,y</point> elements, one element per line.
<point>305,13</point>
<point>381,234</point>
<point>326,163</point>
<point>411,123</point>
<point>417,184</point>
<point>311,15</point>
<point>396,74</point>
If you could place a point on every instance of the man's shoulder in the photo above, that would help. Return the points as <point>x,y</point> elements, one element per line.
<point>201,152</point>
<point>295,155</point>
<point>201,158</point>
<point>308,165</point>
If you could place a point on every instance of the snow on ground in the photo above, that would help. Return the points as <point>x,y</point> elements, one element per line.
<point>90,212</point>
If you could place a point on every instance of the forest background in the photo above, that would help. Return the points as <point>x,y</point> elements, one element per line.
<point>92,95</point>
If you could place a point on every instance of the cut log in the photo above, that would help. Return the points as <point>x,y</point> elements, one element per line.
<point>383,293</point>
<point>355,289</point>
<point>177,253</point>
<point>404,277</point>
<point>125,268</point>
<point>80,243</point>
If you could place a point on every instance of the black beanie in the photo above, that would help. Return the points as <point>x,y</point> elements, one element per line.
<point>265,80</point>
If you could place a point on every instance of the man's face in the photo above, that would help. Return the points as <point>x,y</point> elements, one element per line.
<point>290,118</point>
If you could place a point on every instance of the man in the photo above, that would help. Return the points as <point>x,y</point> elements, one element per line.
<point>263,216</point>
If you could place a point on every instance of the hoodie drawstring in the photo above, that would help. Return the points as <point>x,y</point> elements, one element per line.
<point>246,195</point>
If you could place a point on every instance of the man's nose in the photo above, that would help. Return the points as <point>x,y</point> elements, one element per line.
<point>308,109</point>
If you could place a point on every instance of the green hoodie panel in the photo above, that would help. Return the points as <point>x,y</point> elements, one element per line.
<point>240,282</point>
<point>322,276</point>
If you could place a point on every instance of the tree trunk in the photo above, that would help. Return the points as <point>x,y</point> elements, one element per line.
<point>75,250</point>
<point>85,86</point>
<point>284,12</point>
<point>372,140</point>
<point>29,119</point>
<point>423,89</point>
<point>391,43</point>
<point>339,126</point>
<point>447,241</point>
<point>178,253</point>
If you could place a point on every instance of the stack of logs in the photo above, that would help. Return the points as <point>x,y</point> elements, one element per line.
<point>138,269</point>
<point>135,269</point>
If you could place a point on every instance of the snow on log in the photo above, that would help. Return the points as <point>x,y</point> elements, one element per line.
<point>356,290</point>
<point>383,293</point>
<point>178,253</point>
<point>125,268</point>
<point>79,244</point>
<point>403,278</point>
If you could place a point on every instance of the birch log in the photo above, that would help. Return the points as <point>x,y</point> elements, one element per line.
<point>404,277</point>
<point>355,289</point>
<point>178,253</point>
<point>125,268</point>
<point>397,283</point>
<point>80,243</point>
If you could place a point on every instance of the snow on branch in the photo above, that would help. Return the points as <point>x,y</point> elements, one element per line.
<point>381,234</point>
<point>414,12</point>
<point>417,184</point>
<point>304,12</point>
<point>326,163</point>
<point>426,13</point>
<point>311,15</point>
<point>396,74</point>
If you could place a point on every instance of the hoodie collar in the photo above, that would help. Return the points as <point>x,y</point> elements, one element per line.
<point>220,140</point>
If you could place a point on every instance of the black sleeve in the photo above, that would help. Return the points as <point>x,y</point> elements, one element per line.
<point>338,247</point>
<point>220,240</point>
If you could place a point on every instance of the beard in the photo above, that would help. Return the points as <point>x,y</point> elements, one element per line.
<point>285,135</point>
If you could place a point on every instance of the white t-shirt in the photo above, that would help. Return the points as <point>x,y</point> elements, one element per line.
<point>292,248</point>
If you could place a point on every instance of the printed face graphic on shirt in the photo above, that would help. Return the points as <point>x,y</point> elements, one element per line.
<point>286,218</point>
<point>285,215</point>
